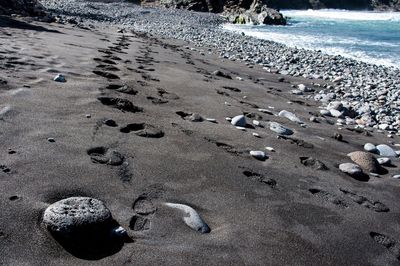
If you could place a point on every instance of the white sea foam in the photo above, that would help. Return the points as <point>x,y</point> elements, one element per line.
<point>344,14</point>
<point>329,44</point>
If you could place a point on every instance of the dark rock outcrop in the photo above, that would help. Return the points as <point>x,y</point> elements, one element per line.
<point>239,7</point>
<point>22,7</point>
<point>257,13</point>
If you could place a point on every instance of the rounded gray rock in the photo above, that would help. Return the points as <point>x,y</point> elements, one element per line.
<point>351,169</point>
<point>278,128</point>
<point>385,150</point>
<point>369,147</point>
<point>68,216</point>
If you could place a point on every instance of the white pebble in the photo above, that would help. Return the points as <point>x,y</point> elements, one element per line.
<point>259,155</point>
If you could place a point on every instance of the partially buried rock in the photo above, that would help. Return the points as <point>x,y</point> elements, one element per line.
<point>384,161</point>
<point>338,136</point>
<point>366,161</point>
<point>60,78</point>
<point>351,169</point>
<point>259,155</point>
<point>196,117</point>
<point>278,128</point>
<point>84,226</point>
<point>239,121</point>
<point>219,73</point>
<point>313,163</point>
<point>191,218</point>
<point>68,216</point>
<point>292,117</point>
<point>385,150</point>
<point>369,147</point>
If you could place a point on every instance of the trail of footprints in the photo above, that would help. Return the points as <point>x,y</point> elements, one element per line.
<point>143,207</point>
<point>333,198</point>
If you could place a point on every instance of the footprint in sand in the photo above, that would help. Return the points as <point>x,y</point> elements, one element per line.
<point>143,130</point>
<point>259,177</point>
<point>106,156</point>
<point>167,95</point>
<point>122,88</point>
<point>365,202</point>
<point>105,74</point>
<point>5,169</point>
<point>121,104</point>
<point>329,197</point>
<point>144,210</point>
<point>226,147</point>
<point>103,155</point>
<point>107,67</point>
<point>313,163</point>
<point>388,242</point>
<point>156,100</point>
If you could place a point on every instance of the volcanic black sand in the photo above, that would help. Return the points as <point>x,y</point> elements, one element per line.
<point>130,96</point>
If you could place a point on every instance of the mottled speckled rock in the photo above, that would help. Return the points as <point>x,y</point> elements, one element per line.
<point>366,161</point>
<point>73,215</point>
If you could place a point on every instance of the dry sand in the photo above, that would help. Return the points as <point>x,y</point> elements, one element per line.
<point>272,212</point>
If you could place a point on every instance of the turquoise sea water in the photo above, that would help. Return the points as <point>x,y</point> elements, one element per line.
<point>367,36</point>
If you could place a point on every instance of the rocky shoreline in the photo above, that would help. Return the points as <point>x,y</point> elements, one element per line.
<point>371,91</point>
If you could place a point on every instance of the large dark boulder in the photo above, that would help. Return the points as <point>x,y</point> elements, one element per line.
<point>256,13</point>
<point>22,7</point>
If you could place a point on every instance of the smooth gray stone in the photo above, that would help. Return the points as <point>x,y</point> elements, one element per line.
<point>260,155</point>
<point>191,218</point>
<point>369,147</point>
<point>60,78</point>
<point>291,116</point>
<point>384,161</point>
<point>351,169</point>
<point>278,128</point>
<point>385,150</point>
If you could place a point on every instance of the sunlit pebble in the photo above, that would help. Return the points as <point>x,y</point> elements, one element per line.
<point>245,97</point>
<point>51,140</point>
<point>226,103</point>
<point>88,116</point>
<point>241,128</point>
<point>256,135</point>
<point>228,119</point>
<point>270,149</point>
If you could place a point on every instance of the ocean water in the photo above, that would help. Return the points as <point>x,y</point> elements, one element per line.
<point>371,37</point>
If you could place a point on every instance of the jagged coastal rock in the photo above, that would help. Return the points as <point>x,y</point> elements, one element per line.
<point>257,13</point>
<point>238,12</point>
<point>23,7</point>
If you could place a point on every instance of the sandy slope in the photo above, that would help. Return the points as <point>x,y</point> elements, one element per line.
<point>205,165</point>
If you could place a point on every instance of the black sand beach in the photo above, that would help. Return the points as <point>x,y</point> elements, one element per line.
<point>133,95</point>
